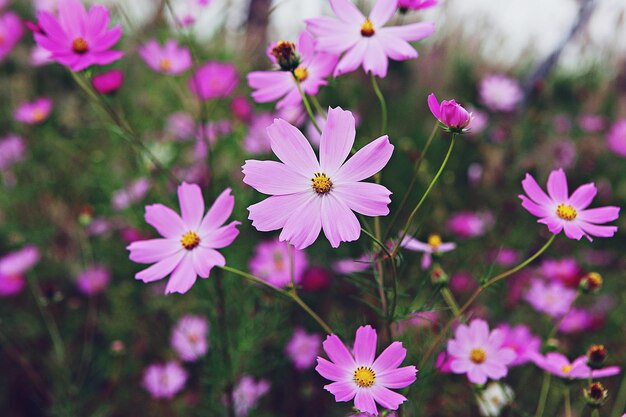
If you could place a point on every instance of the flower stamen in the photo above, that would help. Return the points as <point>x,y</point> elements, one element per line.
<point>478,356</point>
<point>80,46</point>
<point>566,369</point>
<point>301,73</point>
<point>367,28</point>
<point>364,376</point>
<point>321,183</point>
<point>434,241</point>
<point>566,212</point>
<point>165,64</point>
<point>190,240</point>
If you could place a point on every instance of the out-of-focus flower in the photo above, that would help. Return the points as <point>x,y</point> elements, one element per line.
<point>478,121</point>
<point>616,138</point>
<point>189,243</point>
<point>308,196</point>
<point>468,224</point>
<point>364,41</point>
<point>575,321</point>
<point>271,263</point>
<point>93,280</point>
<point>560,211</point>
<point>13,266</point>
<point>451,114</point>
<point>51,6</point>
<point>479,353</point>
<point>303,348</point>
<point>462,282</point>
<point>132,193</point>
<point>565,270</point>
<point>180,125</point>
<point>108,82</point>
<point>553,298</point>
<point>562,123</point>
<point>207,134</point>
<point>40,56</point>
<point>247,393</point>
<point>563,153</point>
<point>505,257</point>
<point>434,246</point>
<point>591,123</point>
<point>164,380</point>
<point>79,39</point>
<point>241,108</point>
<point>34,112</point>
<point>311,72</point>
<point>214,80</point>
<point>315,278</point>
<point>351,266</point>
<point>558,364</point>
<point>190,337</point>
<point>405,5</point>
<point>363,377</point>
<point>420,319</point>
<point>167,59</point>
<point>12,150</point>
<point>522,341</point>
<point>494,398</point>
<point>257,140</point>
<point>500,93</point>
<point>11,32</point>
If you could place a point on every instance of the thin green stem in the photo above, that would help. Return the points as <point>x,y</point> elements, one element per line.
<point>320,110</point>
<point>51,327</point>
<point>567,402</point>
<point>595,413</point>
<point>307,106</point>
<point>383,104</point>
<point>543,395</point>
<point>450,300</point>
<point>620,400</point>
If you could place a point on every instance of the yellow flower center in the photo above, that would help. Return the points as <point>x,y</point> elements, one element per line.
<point>38,115</point>
<point>367,28</point>
<point>364,376</point>
<point>321,183</point>
<point>165,64</point>
<point>190,240</point>
<point>566,369</point>
<point>80,46</point>
<point>434,241</point>
<point>566,212</point>
<point>301,73</point>
<point>478,356</point>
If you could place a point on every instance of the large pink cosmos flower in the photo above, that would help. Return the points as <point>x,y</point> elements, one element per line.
<point>79,39</point>
<point>362,376</point>
<point>308,196</point>
<point>168,59</point>
<point>11,32</point>
<point>560,211</point>
<point>364,39</point>
<point>558,364</point>
<point>34,112</point>
<point>312,71</point>
<point>189,243</point>
<point>479,353</point>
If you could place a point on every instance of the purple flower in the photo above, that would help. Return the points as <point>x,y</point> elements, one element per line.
<point>303,348</point>
<point>577,320</point>
<point>108,82</point>
<point>591,123</point>
<point>168,59</point>
<point>214,80</point>
<point>271,263</point>
<point>500,93</point>
<point>553,298</point>
<point>434,246</point>
<point>247,393</point>
<point>12,150</point>
<point>11,32</point>
<point>190,337</point>
<point>558,364</point>
<point>180,125</point>
<point>451,114</point>
<point>616,138</point>
<point>164,380</point>
<point>34,112</point>
<point>13,266</point>
<point>93,280</point>
<point>520,339</point>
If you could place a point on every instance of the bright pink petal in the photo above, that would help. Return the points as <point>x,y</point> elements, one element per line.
<point>333,36</point>
<point>573,230</point>
<point>337,139</point>
<point>434,106</point>
<point>494,370</point>
<point>387,398</point>
<point>153,250</point>
<point>73,16</point>
<point>413,32</point>
<point>599,215</point>
<point>395,47</point>
<point>338,352</point>
<point>191,205</point>
<point>273,212</point>
<point>304,224</point>
<point>480,330</point>
<point>165,220</point>
<point>608,371</point>
<point>367,161</point>
<point>533,208</point>
<point>599,231</point>
<point>274,178</point>
<point>397,378</point>
<point>557,186</point>
<point>160,269</point>
<point>364,401</point>
<point>219,212</point>
<point>205,259</point>
<point>532,189</point>
<point>554,223</point>
<point>331,371</point>
<point>365,198</point>
<point>382,11</point>
<point>365,345</point>
<point>342,390</point>
<point>270,85</point>
<point>583,196</point>
<point>183,277</point>
<point>390,358</point>
<point>221,237</point>
<point>347,11</point>
<point>352,59</point>
<point>292,148</point>
<point>460,365</point>
<point>98,20</point>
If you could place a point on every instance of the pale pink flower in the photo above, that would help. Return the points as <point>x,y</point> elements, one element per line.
<point>553,298</point>
<point>500,93</point>
<point>468,224</point>
<point>257,141</point>
<point>164,380</point>
<point>11,32</point>
<point>616,138</point>
<point>181,126</point>
<point>558,364</point>
<point>434,246</point>
<point>576,320</point>
<point>13,266</point>
<point>168,59</point>
<point>132,193</point>
<point>591,123</point>
<point>12,150</point>
<point>247,393</point>
<point>523,342</point>
<point>271,263</point>
<point>93,280</point>
<point>190,337</point>
<point>214,80</point>
<point>34,112</point>
<point>303,348</point>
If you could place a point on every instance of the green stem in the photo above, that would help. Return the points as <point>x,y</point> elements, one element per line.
<point>543,395</point>
<point>222,320</point>
<point>620,400</point>
<point>568,402</point>
<point>307,106</point>
<point>383,104</point>
<point>450,300</point>
<point>51,327</point>
<point>318,107</point>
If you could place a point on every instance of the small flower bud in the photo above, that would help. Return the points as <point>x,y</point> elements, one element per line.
<point>596,356</point>
<point>595,394</point>
<point>438,276</point>
<point>591,283</point>
<point>449,113</point>
<point>551,345</point>
<point>286,55</point>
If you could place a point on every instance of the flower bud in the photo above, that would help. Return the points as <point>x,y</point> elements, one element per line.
<point>108,82</point>
<point>286,55</point>
<point>591,283</point>
<point>451,114</point>
<point>595,395</point>
<point>438,276</point>
<point>596,356</point>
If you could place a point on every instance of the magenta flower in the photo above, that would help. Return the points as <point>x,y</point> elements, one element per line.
<point>189,243</point>
<point>79,39</point>
<point>479,353</point>
<point>467,224</point>
<point>11,32</point>
<point>13,266</point>
<point>108,82</point>
<point>565,270</point>
<point>93,280</point>
<point>404,5</point>
<point>303,348</point>
<point>271,263</point>
<point>522,341</point>
<point>500,93</point>
<point>591,123</point>
<point>34,112</point>
<point>308,196</point>
<point>311,73</point>
<point>558,364</point>
<point>434,246</point>
<point>12,150</point>
<point>577,320</point>
<point>247,393</point>
<point>553,298</point>
<point>214,80</point>
<point>616,138</point>
<point>362,376</point>
<point>190,337</point>
<point>451,114</point>
<point>164,380</point>
<point>560,211</point>
<point>364,39</point>
<point>168,59</point>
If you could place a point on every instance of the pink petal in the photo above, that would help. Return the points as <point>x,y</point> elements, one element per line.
<point>161,268</point>
<point>434,106</point>
<point>573,230</point>
<point>273,212</point>
<point>98,20</point>
<point>275,178</point>
<point>205,259</point>
<point>304,224</point>
<point>367,161</point>
<point>331,371</point>
<point>153,250</point>
<point>364,401</point>
<point>347,11</point>
<point>338,221</point>
<point>375,60</point>
<point>270,85</point>
<point>533,208</point>
<point>456,349</point>
<point>165,221</point>
<point>557,186</point>
<point>342,390</point>
<point>554,223</point>
<point>599,231</point>
<point>333,36</point>
<point>395,47</point>
<point>337,139</point>
<point>494,370</point>
<point>365,345</point>
<point>51,27</point>
<point>191,205</point>
<point>446,247</point>
<point>107,40</point>
<point>461,365</point>
<point>338,352</point>
<point>183,277</point>
<point>365,198</point>
<point>306,45</point>
<point>292,148</point>
<point>427,260</point>
<point>477,375</point>
<point>583,196</point>
<point>390,358</point>
<point>480,330</point>
<point>219,212</point>
<point>599,215</point>
<point>413,32</point>
<point>73,16</point>
<point>387,398</point>
<point>221,237</point>
<point>397,378</point>
<point>413,244</point>
<point>608,371</point>
<point>383,11</point>
<point>352,59</point>
<point>532,189</point>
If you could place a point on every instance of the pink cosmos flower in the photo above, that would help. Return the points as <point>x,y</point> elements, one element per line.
<point>11,32</point>
<point>308,196</point>
<point>12,150</point>
<point>565,270</point>
<point>247,393</point>
<point>616,138</point>
<point>132,193</point>
<point>93,280</point>
<point>13,266</point>
<point>241,108</point>
<point>189,243</point>
<point>164,380</point>
<point>108,82</point>
<point>479,353</point>
<point>467,224</point>
<point>364,41</point>
<point>303,348</point>
<point>351,266</point>
<point>553,298</point>
<point>271,263</point>
<point>559,211</point>
<point>313,69</point>
<point>522,341</point>
<point>558,364</point>
<point>434,246</point>
<point>500,93</point>
<point>190,337</point>
<point>34,112</point>
<point>214,80</point>
<point>420,319</point>
<point>462,282</point>
<point>591,123</point>
<point>79,39</point>
<point>451,114</point>
<point>404,5</point>
<point>576,320</point>
<point>257,141</point>
<point>168,59</point>
<point>180,125</point>
<point>362,376</point>
<point>505,257</point>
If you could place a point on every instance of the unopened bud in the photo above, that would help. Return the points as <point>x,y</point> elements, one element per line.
<point>286,55</point>
<point>596,356</point>
<point>438,276</point>
<point>591,283</point>
<point>595,394</point>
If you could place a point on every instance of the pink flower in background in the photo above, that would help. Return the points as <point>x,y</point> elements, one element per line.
<point>257,140</point>
<point>434,246</point>
<point>478,122</point>
<point>404,5</point>
<point>132,193</point>
<point>418,320</point>
<point>559,211</point>
<point>505,257</point>
<point>451,114</point>
<point>467,224</point>
<point>565,270</point>
<point>563,153</point>
<point>479,353</point>
<point>241,108</point>
<point>523,342</point>
<point>93,280</point>
<point>553,298</point>
<point>315,278</point>
<point>214,80</point>
<point>108,82</point>
<point>247,393</point>
<point>209,134</point>
<point>308,196</point>
<point>311,73</point>
<point>576,320</point>
<point>12,150</point>
<point>562,123</point>
<point>351,266</point>
<point>558,364</point>
<point>190,337</point>
<point>462,282</point>
<point>164,380</point>
<point>363,377</point>
<point>364,41</point>
<point>11,32</point>
<point>13,266</point>
<point>40,56</point>
<point>500,93</point>
<point>79,39</point>
<point>180,125</point>
<point>34,112</point>
<point>591,123</point>
<point>168,59</point>
<point>189,243</point>
<point>303,348</point>
<point>616,138</point>
<point>271,263</point>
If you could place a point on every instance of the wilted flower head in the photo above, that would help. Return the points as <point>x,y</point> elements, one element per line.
<point>11,32</point>
<point>553,298</point>
<point>108,82</point>
<point>34,112</point>
<point>271,263</point>
<point>164,380</point>
<point>13,266</point>
<point>168,59</point>
<point>303,348</point>
<point>247,393</point>
<point>451,114</point>
<point>214,80</point>
<point>132,193</point>
<point>12,150</point>
<point>558,364</point>
<point>616,138</point>
<point>190,337</point>
<point>93,280</point>
<point>500,93</point>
